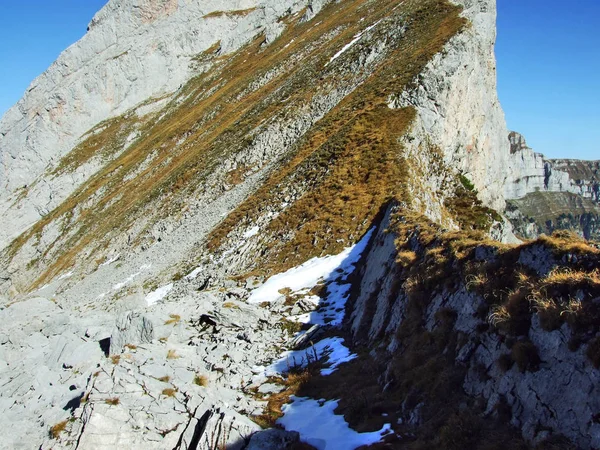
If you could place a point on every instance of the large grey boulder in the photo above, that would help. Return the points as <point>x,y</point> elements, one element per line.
<point>131,328</point>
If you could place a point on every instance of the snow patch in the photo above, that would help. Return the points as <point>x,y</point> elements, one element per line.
<point>130,278</point>
<point>351,43</point>
<point>333,348</point>
<point>311,272</point>
<point>319,426</point>
<point>193,274</point>
<point>157,295</point>
<point>65,276</point>
<point>251,232</point>
<point>111,260</point>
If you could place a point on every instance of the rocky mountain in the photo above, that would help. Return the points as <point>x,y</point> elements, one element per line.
<point>251,224</point>
<point>547,195</point>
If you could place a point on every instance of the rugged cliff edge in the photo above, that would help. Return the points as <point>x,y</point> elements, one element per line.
<point>547,195</point>
<point>204,201</point>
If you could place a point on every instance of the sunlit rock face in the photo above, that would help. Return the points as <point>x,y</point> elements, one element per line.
<point>134,51</point>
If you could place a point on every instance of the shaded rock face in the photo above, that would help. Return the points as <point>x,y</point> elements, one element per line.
<point>529,393</point>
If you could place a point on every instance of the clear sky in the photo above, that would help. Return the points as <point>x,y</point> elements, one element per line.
<point>548,63</point>
<point>548,54</point>
<point>32,35</point>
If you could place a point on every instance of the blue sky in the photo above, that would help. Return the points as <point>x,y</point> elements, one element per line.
<point>32,35</point>
<point>548,54</point>
<point>548,63</point>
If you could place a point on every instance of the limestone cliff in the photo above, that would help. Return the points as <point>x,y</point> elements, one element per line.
<point>551,194</point>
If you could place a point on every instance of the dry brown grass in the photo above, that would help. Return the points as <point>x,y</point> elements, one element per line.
<point>233,13</point>
<point>56,430</point>
<point>174,319</point>
<point>164,379</point>
<point>201,380</point>
<point>169,392</point>
<point>114,401</point>
<point>172,354</point>
<point>115,359</point>
<point>351,158</point>
<point>406,258</point>
<point>273,410</point>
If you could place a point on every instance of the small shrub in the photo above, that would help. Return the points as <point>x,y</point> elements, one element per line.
<point>115,359</point>
<point>112,401</point>
<point>131,346</point>
<point>178,276</point>
<point>505,362</point>
<point>525,354</point>
<point>57,429</point>
<point>174,319</point>
<point>201,380</point>
<point>466,183</point>
<point>230,305</point>
<point>164,379</point>
<point>169,392</point>
<point>291,327</point>
<point>172,354</point>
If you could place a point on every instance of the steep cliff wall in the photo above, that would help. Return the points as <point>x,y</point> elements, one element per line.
<point>532,172</point>
<point>446,312</point>
<point>458,109</point>
<point>547,195</point>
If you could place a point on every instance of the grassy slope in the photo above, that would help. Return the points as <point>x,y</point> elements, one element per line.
<point>350,160</point>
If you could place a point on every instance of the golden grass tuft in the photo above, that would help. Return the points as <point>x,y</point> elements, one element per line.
<point>169,392</point>
<point>114,401</point>
<point>174,319</point>
<point>172,354</point>
<point>56,430</point>
<point>201,380</point>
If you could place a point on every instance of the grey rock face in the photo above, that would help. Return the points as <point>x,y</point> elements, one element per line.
<point>458,107</point>
<point>131,328</point>
<point>530,172</point>
<point>134,50</point>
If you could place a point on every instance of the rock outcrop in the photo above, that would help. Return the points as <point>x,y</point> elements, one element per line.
<point>513,359</point>
<point>532,172</point>
<point>551,194</point>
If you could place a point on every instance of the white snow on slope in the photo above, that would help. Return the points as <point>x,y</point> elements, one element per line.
<point>351,43</point>
<point>251,232</point>
<point>320,427</point>
<point>311,272</point>
<point>130,278</point>
<point>111,260</point>
<point>336,352</point>
<point>157,295</point>
<point>65,276</point>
